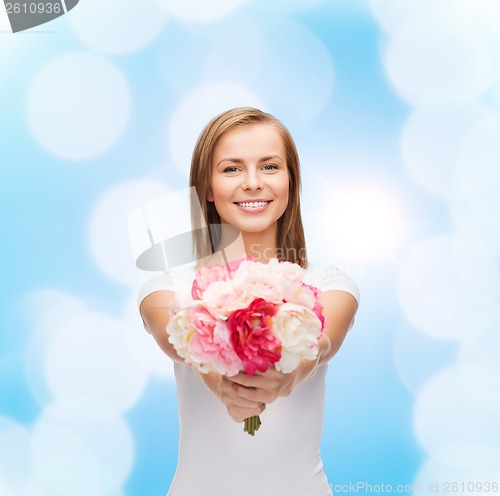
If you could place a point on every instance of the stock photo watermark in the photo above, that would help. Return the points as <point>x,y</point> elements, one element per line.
<point>450,487</point>
<point>23,15</point>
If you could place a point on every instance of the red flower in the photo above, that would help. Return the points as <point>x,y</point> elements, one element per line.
<point>251,335</point>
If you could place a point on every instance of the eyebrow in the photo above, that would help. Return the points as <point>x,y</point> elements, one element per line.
<point>240,161</point>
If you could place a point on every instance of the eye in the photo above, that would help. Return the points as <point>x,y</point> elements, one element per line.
<point>270,167</point>
<point>231,169</point>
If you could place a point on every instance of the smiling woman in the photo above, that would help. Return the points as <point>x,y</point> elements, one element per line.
<point>262,147</point>
<point>245,169</point>
<point>250,190</point>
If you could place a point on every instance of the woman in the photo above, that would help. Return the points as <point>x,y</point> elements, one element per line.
<point>245,169</point>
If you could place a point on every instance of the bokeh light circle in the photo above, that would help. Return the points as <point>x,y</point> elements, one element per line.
<point>285,6</point>
<point>118,26</point>
<point>15,456</point>
<point>476,225</point>
<point>88,357</point>
<point>200,10</point>
<point>108,233</point>
<point>418,356</point>
<point>302,69</point>
<point>49,309</point>
<point>432,139</point>
<point>451,63</point>
<point>458,463</point>
<point>444,414</point>
<point>477,361</point>
<point>361,221</point>
<point>478,171</point>
<point>91,458</point>
<point>433,294</point>
<point>78,105</point>
<point>392,13</point>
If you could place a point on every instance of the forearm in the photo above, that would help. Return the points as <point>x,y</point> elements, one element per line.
<point>155,312</point>
<point>328,346</point>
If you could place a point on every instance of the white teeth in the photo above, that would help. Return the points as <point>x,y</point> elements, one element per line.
<point>253,204</point>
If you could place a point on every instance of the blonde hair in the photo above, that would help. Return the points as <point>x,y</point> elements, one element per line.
<point>290,240</point>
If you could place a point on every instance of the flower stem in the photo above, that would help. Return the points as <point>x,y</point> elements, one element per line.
<point>252,424</point>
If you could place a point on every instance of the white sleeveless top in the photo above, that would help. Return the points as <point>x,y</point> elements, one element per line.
<point>216,457</point>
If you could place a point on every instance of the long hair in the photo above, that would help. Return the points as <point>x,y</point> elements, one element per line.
<point>290,240</point>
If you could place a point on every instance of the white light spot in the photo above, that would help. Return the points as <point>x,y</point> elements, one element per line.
<point>78,105</point>
<point>108,233</point>
<point>93,458</point>
<point>286,6</point>
<point>417,357</point>
<point>87,356</point>
<point>434,295</point>
<point>49,309</point>
<point>445,414</point>
<point>451,63</point>
<point>361,221</point>
<point>302,71</point>
<point>478,363</point>
<point>474,225</point>
<point>486,15</point>
<point>117,26</point>
<point>15,456</point>
<point>431,141</point>
<point>200,10</point>
<point>392,13</point>
<point>196,110</point>
<point>459,463</point>
<point>478,171</point>
<point>234,56</point>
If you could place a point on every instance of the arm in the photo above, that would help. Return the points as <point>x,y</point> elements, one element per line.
<point>339,308</point>
<point>155,312</point>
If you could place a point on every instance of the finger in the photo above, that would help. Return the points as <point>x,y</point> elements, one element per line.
<point>243,379</point>
<point>239,397</point>
<point>254,394</point>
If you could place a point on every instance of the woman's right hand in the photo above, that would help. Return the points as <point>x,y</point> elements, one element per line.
<point>238,407</point>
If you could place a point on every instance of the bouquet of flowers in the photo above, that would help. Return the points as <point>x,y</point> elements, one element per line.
<point>247,316</point>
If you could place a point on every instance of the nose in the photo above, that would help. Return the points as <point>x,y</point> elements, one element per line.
<point>252,180</point>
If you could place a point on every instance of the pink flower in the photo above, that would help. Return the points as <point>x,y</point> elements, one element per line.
<point>217,272</point>
<point>202,346</point>
<point>227,361</point>
<point>251,335</point>
<point>301,294</point>
<point>318,310</point>
<point>223,297</point>
<point>234,264</point>
<point>203,341</point>
<point>206,276</point>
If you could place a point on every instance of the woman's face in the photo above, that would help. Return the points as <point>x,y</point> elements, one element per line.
<point>250,182</point>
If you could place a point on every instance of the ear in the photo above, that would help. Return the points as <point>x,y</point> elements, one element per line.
<point>210,197</point>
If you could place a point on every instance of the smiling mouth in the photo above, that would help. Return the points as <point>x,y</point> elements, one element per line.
<point>256,204</point>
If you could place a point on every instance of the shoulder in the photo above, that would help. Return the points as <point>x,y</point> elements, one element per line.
<point>328,278</point>
<point>175,280</point>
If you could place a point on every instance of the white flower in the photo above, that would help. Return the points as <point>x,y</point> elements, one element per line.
<point>298,329</point>
<point>180,330</point>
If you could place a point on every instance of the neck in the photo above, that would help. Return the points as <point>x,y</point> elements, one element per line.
<point>259,245</point>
